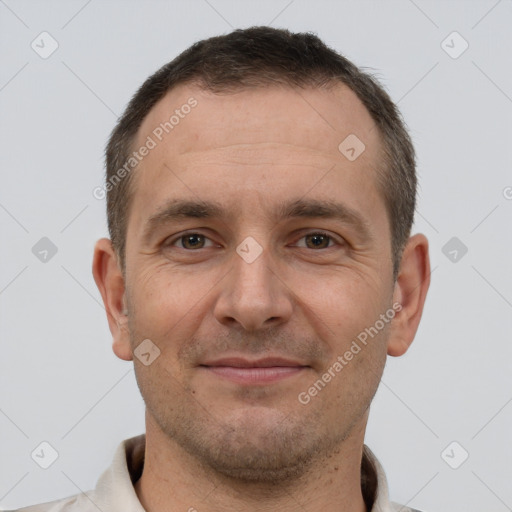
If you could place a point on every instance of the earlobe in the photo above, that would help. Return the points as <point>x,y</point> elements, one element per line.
<point>110,282</point>
<point>410,292</point>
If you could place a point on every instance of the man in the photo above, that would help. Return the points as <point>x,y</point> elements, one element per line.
<point>260,196</point>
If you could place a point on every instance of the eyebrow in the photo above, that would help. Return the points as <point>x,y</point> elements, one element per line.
<point>177,209</point>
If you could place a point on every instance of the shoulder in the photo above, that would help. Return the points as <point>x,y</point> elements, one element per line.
<point>396,507</point>
<point>76,503</point>
<point>114,486</point>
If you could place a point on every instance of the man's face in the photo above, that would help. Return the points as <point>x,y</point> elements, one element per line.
<point>242,333</point>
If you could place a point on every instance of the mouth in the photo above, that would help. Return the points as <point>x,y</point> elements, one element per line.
<point>260,371</point>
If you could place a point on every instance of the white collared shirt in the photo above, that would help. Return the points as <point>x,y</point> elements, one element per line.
<point>114,490</point>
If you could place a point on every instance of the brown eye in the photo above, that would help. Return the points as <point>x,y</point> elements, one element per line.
<point>317,241</point>
<point>192,241</point>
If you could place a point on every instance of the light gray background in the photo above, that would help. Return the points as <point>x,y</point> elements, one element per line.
<point>60,381</point>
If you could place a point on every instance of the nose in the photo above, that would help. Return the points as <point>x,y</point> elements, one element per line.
<point>253,295</point>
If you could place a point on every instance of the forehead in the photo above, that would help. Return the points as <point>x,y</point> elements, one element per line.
<point>313,118</point>
<point>271,139</point>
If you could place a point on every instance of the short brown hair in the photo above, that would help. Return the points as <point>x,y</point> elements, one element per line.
<point>262,56</point>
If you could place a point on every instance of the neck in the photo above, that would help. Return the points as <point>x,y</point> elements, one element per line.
<point>172,479</point>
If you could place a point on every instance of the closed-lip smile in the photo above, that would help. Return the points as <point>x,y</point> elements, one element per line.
<point>258,371</point>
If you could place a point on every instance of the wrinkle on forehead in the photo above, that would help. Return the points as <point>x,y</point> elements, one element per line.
<point>314,118</point>
<point>274,129</point>
<point>259,153</point>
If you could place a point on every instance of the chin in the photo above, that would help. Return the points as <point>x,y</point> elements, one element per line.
<point>256,446</point>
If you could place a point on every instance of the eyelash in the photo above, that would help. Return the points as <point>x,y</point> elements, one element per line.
<point>321,233</point>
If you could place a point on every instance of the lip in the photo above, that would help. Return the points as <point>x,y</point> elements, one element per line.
<point>259,371</point>
<point>241,362</point>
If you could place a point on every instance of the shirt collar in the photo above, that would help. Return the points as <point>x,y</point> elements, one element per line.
<point>115,490</point>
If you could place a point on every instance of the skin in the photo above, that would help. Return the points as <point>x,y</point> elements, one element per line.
<point>212,443</point>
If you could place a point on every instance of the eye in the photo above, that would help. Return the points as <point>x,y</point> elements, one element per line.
<point>190,241</point>
<point>317,240</point>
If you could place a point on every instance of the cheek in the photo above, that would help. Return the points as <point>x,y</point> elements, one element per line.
<point>347,303</point>
<point>159,302</point>
<point>170,304</point>
<point>358,338</point>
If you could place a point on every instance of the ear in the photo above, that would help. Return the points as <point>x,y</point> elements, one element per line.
<point>410,292</point>
<point>110,282</point>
